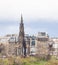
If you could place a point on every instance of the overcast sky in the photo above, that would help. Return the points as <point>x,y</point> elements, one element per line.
<point>38,15</point>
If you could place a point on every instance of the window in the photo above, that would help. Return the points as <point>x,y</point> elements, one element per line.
<point>42,39</point>
<point>32,51</point>
<point>33,43</point>
<point>43,34</point>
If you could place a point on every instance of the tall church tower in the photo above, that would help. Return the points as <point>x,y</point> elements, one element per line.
<point>21,38</point>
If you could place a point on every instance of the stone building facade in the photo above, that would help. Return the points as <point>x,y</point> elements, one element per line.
<point>42,44</point>
<point>39,44</point>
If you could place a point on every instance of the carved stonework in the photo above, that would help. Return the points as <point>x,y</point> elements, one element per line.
<point>21,38</point>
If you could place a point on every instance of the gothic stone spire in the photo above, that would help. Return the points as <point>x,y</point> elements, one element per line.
<point>21,38</point>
